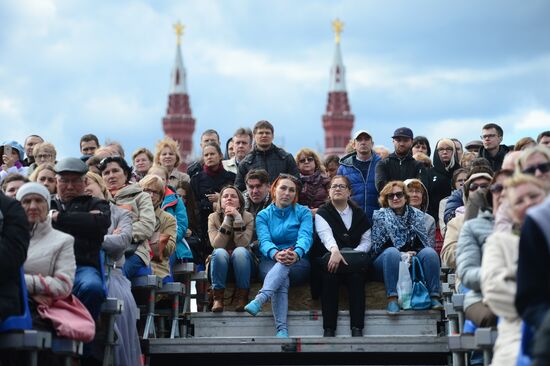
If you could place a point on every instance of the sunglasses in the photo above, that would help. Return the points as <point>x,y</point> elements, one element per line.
<point>308,159</point>
<point>496,188</point>
<point>542,167</point>
<point>397,195</point>
<point>475,186</point>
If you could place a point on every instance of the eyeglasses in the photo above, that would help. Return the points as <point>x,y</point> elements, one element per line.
<point>308,159</point>
<point>338,186</point>
<point>475,186</point>
<point>397,195</point>
<point>445,149</point>
<point>488,136</point>
<point>542,167</point>
<point>44,156</point>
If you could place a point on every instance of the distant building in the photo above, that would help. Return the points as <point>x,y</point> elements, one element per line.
<point>179,123</point>
<point>338,119</point>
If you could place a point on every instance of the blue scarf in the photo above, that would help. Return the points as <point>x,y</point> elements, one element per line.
<point>399,229</point>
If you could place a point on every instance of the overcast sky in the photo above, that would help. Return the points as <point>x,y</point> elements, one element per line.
<point>443,68</point>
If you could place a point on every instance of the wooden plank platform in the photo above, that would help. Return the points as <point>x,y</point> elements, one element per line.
<point>310,324</point>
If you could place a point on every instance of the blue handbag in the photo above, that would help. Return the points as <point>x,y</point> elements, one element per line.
<point>420,297</point>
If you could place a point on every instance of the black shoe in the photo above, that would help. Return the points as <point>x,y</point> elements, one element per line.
<point>329,332</point>
<point>356,332</point>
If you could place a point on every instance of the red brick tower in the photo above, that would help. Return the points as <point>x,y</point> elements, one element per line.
<point>179,123</point>
<point>338,119</point>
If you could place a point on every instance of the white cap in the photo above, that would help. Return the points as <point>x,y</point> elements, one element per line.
<point>358,133</point>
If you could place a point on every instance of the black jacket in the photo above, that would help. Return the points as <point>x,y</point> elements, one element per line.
<point>274,160</point>
<point>14,242</point>
<point>202,184</point>
<point>533,275</point>
<point>496,161</point>
<point>88,229</point>
<point>396,168</point>
<point>440,184</point>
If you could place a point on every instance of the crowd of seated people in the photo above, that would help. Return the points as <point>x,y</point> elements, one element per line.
<point>258,212</point>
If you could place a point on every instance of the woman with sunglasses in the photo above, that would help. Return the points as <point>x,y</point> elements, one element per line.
<point>478,225</point>
<point>341,224</point>
<point>499,266</point>
<point>314,180</point>
<point>117,174</point>
<point>535,161</point>
<point>285,234</point>
<point>399,229</point>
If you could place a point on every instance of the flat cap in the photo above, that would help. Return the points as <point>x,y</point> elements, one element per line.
<point>71,165</point>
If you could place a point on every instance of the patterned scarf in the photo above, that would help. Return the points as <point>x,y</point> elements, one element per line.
<point>399,229</point>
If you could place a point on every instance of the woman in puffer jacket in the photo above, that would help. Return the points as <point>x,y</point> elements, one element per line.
<point>499,267</point>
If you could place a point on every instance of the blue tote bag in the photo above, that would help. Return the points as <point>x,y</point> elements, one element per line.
<point>420,298</point>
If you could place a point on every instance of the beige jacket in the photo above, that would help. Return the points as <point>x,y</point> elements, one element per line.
<point>448,252</point>
<point>165,224</point>
<point>143,217</point>
<point>498,285</point>
<point>50,266</point>
<point>240,231</point>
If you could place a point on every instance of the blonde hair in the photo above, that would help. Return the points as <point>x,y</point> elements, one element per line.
<point>527,153</point>
<point>46,147</point>
<point>46,166</point>
<point>451,144</point>
<point>96,178</point>
<point>308,152</point>
<point>172,145</point>
<point>153,182</point>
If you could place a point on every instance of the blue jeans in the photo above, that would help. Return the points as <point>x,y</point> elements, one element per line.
<point>88,287</point>
<point>134,267</point>
<point>277,279</point>
<point>240,260</point>
<point>386,268</point>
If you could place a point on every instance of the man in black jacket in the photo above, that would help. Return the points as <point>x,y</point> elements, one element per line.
<point>87,219</point>
<point>14,242</point>
<point>267,156</point>
<point>400,165</point>
<point>492,149</point>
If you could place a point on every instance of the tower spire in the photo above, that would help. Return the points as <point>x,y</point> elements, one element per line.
<point>338,119</point>
<point>337,71</point>
<point>179,123</point>
<point>178,77</point>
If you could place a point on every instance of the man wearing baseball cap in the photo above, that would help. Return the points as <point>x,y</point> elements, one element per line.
<point>400,164</point>
<point>87,219</point>
<point>360,167</point>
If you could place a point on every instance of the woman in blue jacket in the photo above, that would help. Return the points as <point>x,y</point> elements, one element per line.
<point>285,234</point>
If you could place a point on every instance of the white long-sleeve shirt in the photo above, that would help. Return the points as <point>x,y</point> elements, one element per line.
<point>327,237</point>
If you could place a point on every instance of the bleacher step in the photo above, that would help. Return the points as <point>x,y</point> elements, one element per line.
<point>368,344</point>
<point>310,324</point>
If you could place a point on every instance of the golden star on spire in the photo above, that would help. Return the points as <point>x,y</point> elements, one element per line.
<point>178,29</point>
<point>338,27</point>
